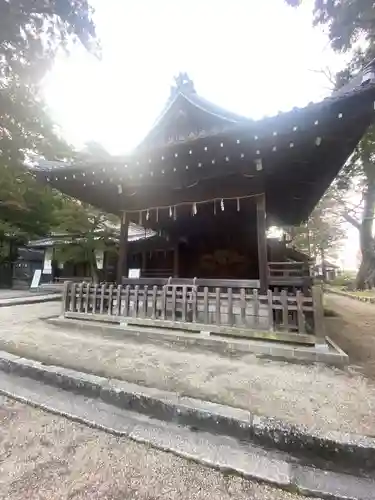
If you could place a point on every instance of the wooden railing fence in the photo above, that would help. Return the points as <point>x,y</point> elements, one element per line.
<point>199,303</point>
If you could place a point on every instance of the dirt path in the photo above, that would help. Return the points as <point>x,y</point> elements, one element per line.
<point>354,331</point>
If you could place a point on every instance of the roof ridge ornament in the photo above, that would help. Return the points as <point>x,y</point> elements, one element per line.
<point>183,84</point>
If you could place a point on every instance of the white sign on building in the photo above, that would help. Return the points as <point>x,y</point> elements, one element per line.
<point>99,256</point>
<point>47,266</point>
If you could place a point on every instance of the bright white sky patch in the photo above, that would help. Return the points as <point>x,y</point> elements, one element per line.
<point>252,57</point>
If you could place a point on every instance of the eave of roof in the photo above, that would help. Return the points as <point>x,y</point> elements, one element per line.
<point>283,132</point>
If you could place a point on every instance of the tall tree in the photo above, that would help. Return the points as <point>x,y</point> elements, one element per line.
<point>351,28</point>
<point>31,33</point>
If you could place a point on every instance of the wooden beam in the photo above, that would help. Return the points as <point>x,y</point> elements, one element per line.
<point>163,196</point>
<point>262,242</point>
<point>122,263</point>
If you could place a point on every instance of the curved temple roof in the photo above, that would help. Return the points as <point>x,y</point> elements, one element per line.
<point>197,150</point>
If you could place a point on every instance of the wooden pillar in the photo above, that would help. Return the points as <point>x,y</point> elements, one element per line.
<point>122,263</point>
<point>175,261</point>
<point>262,242</point>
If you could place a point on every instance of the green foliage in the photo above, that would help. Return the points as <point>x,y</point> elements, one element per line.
<point>31,32</point>
<point>26,207</point>
<point>344,280</point>
<point>90,231</point>
<point>347,21</point>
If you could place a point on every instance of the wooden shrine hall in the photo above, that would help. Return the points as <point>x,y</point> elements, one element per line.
<point>210,183</point>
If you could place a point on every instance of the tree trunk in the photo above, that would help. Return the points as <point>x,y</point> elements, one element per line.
<point>361,278</point>
<point>366,273</point>
<point>94,270</point>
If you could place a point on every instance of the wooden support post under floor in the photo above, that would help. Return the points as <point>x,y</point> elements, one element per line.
<point>262,242</point>
<point>122,263</point>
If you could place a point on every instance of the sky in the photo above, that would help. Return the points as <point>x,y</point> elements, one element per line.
<point>252,57</point>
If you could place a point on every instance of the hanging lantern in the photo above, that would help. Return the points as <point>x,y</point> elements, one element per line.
<point>170,212</point>
<point>222,205</point>
<point>194,209</point>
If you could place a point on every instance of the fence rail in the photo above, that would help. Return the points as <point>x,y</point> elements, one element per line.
<point>197,306</point>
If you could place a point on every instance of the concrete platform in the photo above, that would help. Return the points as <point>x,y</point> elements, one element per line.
<point>325,352</point>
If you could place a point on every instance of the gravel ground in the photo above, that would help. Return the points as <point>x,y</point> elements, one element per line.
<point>316,396</point>
<point>46,457</point>
<point>354,331</point>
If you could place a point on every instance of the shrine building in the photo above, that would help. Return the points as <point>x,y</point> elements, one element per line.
<point>210,183</point>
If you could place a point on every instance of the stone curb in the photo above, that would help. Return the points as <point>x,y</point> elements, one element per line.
<point>294,478</point>
<point>343,450</point>
<point>29,300</point>
<point>368,300</point>
<point>225,347</point>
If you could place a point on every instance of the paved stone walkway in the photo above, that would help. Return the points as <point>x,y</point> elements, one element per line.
<point>354,331</point>
<point>17,294</point>
<point>316,396</point>
<point>44,457</point>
